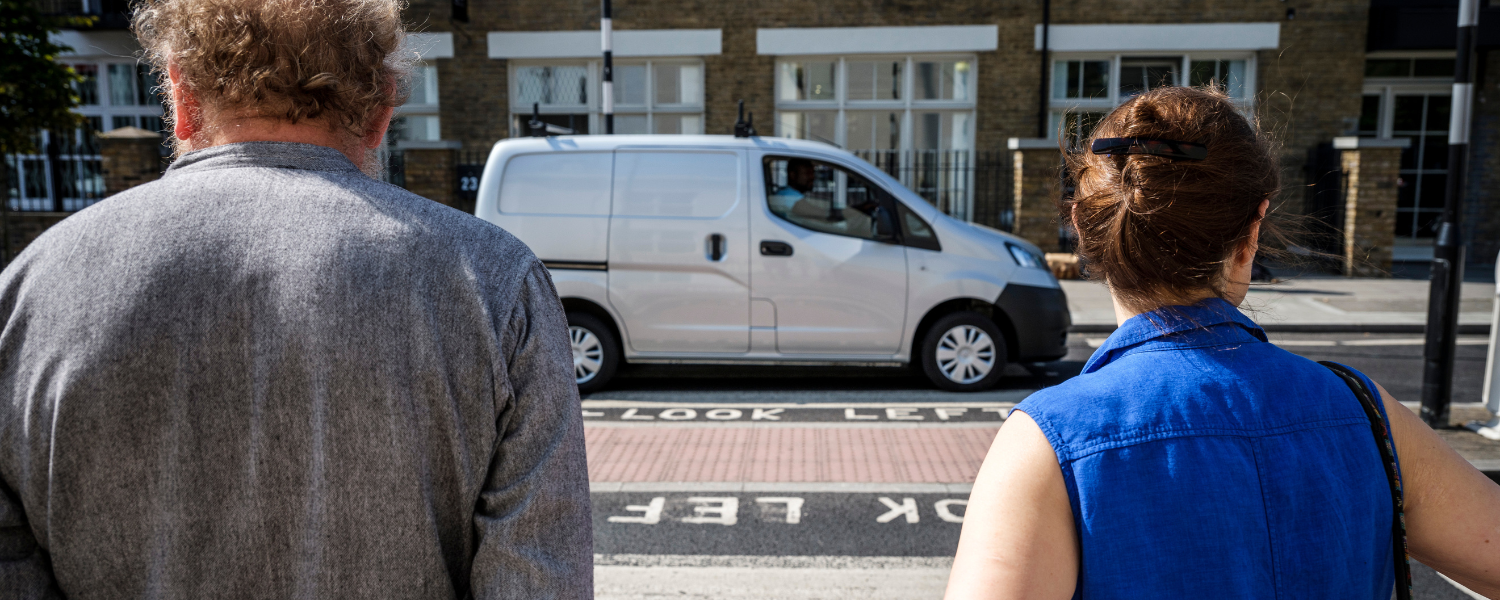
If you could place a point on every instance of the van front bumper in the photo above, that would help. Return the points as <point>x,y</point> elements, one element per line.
<point>1039,318</point>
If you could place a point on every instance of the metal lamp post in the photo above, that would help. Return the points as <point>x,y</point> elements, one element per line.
<point>1448,252</point>
<point>607,96</point>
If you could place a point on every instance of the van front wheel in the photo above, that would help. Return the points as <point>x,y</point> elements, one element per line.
<point>596,353</point>
<point>963,352</point>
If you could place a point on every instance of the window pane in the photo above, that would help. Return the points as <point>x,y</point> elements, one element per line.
<point>807,80</point>
<point>88,89</point>
<point>1142,75</point>
<point>683,124</point>
<point>409,128</point>
<point>1409,113</point>
<point>560,85</point>
<point>942,130</point>
<point>1438,113</point>
<point>118,122</point>
<point>951,80</point>
<point>818,196</point>
<point>1434,191</point>
<point>630,86</point>
<point>1433,67</point>
<point>1427,221</point>
<point>35,173</point>
<point>630,124</point>
<point>1064,78</point>
<point>874,80</point>
<point>872,130</point>
<point>148,90</point>
<point>679,84</point>
<point>1406,191</point>
<point>1369,115</point>
<point>423,85</point>
<point>1229,75</point>
<point>579,123</point>
<point>807,125</point>
<point>1388,67</point>
<point>1435,152</point>
<point>1409,155</point>
<point>122,85</point>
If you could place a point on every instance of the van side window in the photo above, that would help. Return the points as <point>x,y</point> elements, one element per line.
<point>561,183</point>
<point>822,197</point>
<point>915,232</point>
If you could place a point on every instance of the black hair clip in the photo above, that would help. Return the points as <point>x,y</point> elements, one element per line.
<point>1167,148</point>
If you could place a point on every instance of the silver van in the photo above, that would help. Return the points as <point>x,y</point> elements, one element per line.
<point>701,249</point>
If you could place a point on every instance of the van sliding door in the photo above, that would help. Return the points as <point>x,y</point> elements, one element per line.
<point>678,251</point>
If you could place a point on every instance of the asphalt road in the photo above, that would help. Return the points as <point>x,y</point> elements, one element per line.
<point>1392,360</point>
<point>708,543</point>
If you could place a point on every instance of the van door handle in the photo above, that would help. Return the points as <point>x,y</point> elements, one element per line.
<point>774,248</point>
<point>716,249</point>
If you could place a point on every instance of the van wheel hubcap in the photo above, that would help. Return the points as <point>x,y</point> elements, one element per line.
<point>965,354</point>
<point>588,353</point>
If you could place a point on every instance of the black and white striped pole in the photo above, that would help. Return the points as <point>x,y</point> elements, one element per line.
<point>1448,251</point>
<point>607,97</point>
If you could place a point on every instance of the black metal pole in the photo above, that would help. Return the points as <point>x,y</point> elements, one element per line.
<point>607,98</point>
<point>1041,107</point>
<point>1448,251</point>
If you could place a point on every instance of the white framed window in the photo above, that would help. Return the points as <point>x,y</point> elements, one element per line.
<point>912,116</point>
<point>67,173</point>
<point>417,120</point>
<point>1086,86</point>
<point>1409,95</point>
<point>878,103</point>
<point>651,95</point>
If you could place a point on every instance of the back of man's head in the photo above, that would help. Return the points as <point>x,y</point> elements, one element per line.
<point>336,62</point>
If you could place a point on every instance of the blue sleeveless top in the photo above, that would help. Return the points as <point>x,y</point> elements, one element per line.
<point>1202,461</point>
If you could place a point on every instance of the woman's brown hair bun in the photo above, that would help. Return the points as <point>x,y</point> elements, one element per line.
<point>1161,230</point>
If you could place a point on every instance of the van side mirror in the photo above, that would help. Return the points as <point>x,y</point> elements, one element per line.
<point>883,225</point>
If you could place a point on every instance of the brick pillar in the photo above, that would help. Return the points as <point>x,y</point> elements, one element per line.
<point>132,156</point>
<point>1371,168</point>
<point>430,170</point>
<point>1038,164</point>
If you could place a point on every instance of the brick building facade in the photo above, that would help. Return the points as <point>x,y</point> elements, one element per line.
<point>915,83</point>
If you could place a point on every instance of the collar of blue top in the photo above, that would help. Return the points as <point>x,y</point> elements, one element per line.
<point>1208,322</point>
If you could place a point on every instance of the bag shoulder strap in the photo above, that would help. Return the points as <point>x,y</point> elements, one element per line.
<point>1370,401</point>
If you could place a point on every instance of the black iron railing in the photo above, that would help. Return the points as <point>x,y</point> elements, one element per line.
<point>971,185</point>
<point>66,174</point>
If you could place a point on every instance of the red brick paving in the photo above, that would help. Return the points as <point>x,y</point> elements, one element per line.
<point>787,454</point>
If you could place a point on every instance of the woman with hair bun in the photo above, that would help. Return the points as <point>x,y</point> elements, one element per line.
<point>1192,458</point>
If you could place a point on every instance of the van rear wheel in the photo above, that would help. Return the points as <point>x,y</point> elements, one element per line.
<point>596,352</point>
<point>963,352</point>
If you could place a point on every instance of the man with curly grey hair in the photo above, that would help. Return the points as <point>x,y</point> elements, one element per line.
<point>269,375</point>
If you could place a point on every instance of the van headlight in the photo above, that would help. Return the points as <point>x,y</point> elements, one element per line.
<point>1024,257</point>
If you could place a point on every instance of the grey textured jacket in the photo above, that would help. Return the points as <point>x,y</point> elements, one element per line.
<point>268,375</point>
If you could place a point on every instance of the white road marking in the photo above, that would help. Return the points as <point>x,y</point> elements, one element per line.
<point>771,406</point>
<point>799,424</point>
<point>652,510</point>
<point>1471,593</point>
<point>907,507</point>
<point>786,487</point>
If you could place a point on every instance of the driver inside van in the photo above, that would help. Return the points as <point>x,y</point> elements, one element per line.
<point>798,203</point>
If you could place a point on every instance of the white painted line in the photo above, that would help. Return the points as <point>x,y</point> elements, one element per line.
<point>1394,342</point>
<point>796,424</point>
<point>611,403</point>
<point>1487,465</point>
<point>1305,342</point>
<point>757,487</point>
<point>1095,342</point>
<point>771,562</point>
<point>1472,594</point>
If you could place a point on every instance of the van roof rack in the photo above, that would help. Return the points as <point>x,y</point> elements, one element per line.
<point>743,128</point>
